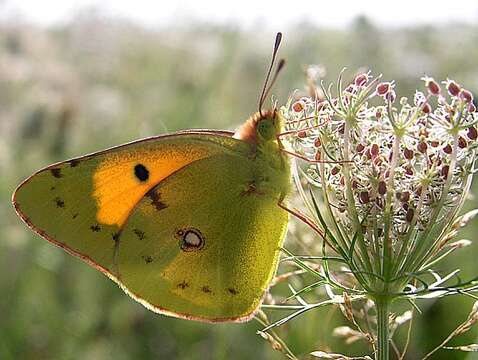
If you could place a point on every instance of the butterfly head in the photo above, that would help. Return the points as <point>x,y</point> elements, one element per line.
<point>263,126</point>
<point>268,125</point>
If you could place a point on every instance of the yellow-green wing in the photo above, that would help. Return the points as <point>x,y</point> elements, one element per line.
<point>204,243</point>
<point>188,223</point>
<point>81,204</point>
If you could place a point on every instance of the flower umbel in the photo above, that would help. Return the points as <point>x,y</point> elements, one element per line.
<point>384,181</point>
<point>392,176</point>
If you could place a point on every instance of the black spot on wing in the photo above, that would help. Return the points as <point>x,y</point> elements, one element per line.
<point>56,172</point>
<point>59,203</point>
<point>141,173</point>
<point>95,228</point>
<point>74,216</point>
<point>147,259</point>
<point>183,285</point>
<point>232,291</point>
<point>155,197</point>
<point>139,233</point>
<point>206,289</point>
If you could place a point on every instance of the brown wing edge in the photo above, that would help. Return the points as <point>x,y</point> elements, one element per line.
<point>154,308</point>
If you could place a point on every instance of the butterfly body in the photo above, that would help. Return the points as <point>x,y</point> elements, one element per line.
<point>188,224</point>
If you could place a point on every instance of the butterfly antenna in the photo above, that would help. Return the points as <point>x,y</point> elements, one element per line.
<point>280,66</point>
<point>265,88</point>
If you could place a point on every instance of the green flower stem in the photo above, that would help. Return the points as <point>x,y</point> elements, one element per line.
<point>350,198</point>
<point>387,242</point>
<point>382,304</point>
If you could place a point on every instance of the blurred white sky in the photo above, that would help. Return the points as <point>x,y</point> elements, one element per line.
<point>250,12</point>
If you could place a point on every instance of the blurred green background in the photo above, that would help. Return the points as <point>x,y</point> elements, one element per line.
<point>92,83</point>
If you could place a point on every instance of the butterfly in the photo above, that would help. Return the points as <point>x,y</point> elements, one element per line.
<point>188,224</point>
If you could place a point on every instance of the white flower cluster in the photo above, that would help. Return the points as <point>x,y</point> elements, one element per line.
<point>391,175</point>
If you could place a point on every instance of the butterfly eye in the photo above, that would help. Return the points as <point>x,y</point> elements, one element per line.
<point>266,129</point>
<point>190,239</point>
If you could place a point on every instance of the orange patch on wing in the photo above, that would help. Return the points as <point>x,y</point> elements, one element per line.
<point>116,187</point>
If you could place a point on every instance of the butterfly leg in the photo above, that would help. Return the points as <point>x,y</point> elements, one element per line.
<point>313,161</point>
<point>305,219</point>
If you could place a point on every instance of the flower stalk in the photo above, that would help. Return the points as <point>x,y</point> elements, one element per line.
<point>382,305</point>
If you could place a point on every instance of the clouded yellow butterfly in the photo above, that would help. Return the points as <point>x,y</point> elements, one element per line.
<point>188,224</point>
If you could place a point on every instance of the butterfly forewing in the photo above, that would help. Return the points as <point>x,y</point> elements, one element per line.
<point>82,204</point>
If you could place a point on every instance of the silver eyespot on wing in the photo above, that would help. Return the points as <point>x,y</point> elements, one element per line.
<point>190,239</point>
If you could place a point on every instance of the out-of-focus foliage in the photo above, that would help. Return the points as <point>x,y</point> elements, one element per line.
<point>93,83</point>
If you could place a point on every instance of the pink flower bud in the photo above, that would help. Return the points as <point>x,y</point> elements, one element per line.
<point>360,148</point>
<point>361,79</point>
<point>472,133</point>
<point>364,197</point>
<point>383,88</point>
<point>298,106</point>
<point>367,154</point>
<point>422,147</point>
<point>432,86</point>
<point>391,96</point>
<point>466,96</point>
<point>453,88</point>
<point>408,154</point>
<point>462,142</point>
<point>444,171</point>
<point>427,109</point>
<point>447,149</point>
<point>374,150</point>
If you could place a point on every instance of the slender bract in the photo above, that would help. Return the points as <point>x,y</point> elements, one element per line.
<point>188,224</point>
